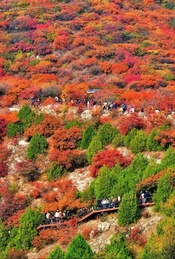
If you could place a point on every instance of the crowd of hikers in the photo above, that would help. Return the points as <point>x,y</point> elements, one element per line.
<point>114,202</point>
<point>92,103</point>
<point>88,103</point>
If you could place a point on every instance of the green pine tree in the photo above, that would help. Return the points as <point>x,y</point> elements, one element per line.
<point>79,248</point>
<point>128,209</point>
<point>26,116</point>
<point>117,248</point>
<point>57,253</point>
<point>87,137</point>
<point>165,188</point>
<point>138,143</point>
<point>3,237</point>
<point>105,182</point>
<point>153,144</point>
<point>95,146</point>
<point>38,145</point>
<point>27,229</point>
<point>107,133</point>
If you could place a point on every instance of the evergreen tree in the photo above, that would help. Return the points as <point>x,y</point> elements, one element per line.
<point>118,141</point>
<point>26,116</point>
<point>94,146</point>
<point>168,159</point>
<point>57,253</point>
<point>128,209</point>
<point>89,193</point>
<point>3,237</point>
<point>165,188</point>
<point>27,229</point>
<point>14,128</point>
<point>131,135</point>
<point>133,174</point>
<point>138,143</point>
<point>117,248</point>
<point>107,133</point>
<point>55,171</point>
<point>105,182</point>
<point>152,144</point>
<point>152,168</point>
<point>79,248</point>
<point>38,145</point>
<point>87,137</point>
<point>120,185</point>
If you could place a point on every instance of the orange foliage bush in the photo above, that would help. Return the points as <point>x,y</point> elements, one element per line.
<point>86,232</point>
<point>61,42</point>
<point>46,237</point>
<point>65,139</point>
<point>14,219</point>
<point>166,138</point>
<point>17,254</point>
<point>137,237</point>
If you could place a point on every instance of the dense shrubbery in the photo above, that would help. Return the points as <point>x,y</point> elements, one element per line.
<point>161,244</point>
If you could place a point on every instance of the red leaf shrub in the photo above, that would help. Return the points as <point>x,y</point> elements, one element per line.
<point>108,158</point>
<point>3,128</point>
<point>3,169</point>
<point>130,122</point>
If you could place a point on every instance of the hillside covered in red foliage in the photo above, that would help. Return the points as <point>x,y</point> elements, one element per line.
<point>68,47</point>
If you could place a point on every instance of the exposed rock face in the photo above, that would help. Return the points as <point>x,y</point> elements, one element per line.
<point>81,178</point>
<point>103,226</point>
<point>86,115</point>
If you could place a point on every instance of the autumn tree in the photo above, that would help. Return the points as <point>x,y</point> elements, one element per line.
<point>61,42</point>
<point>132,121</point>
<point>66,138</point>
<point>3,128</point>
<point>108,158</point>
